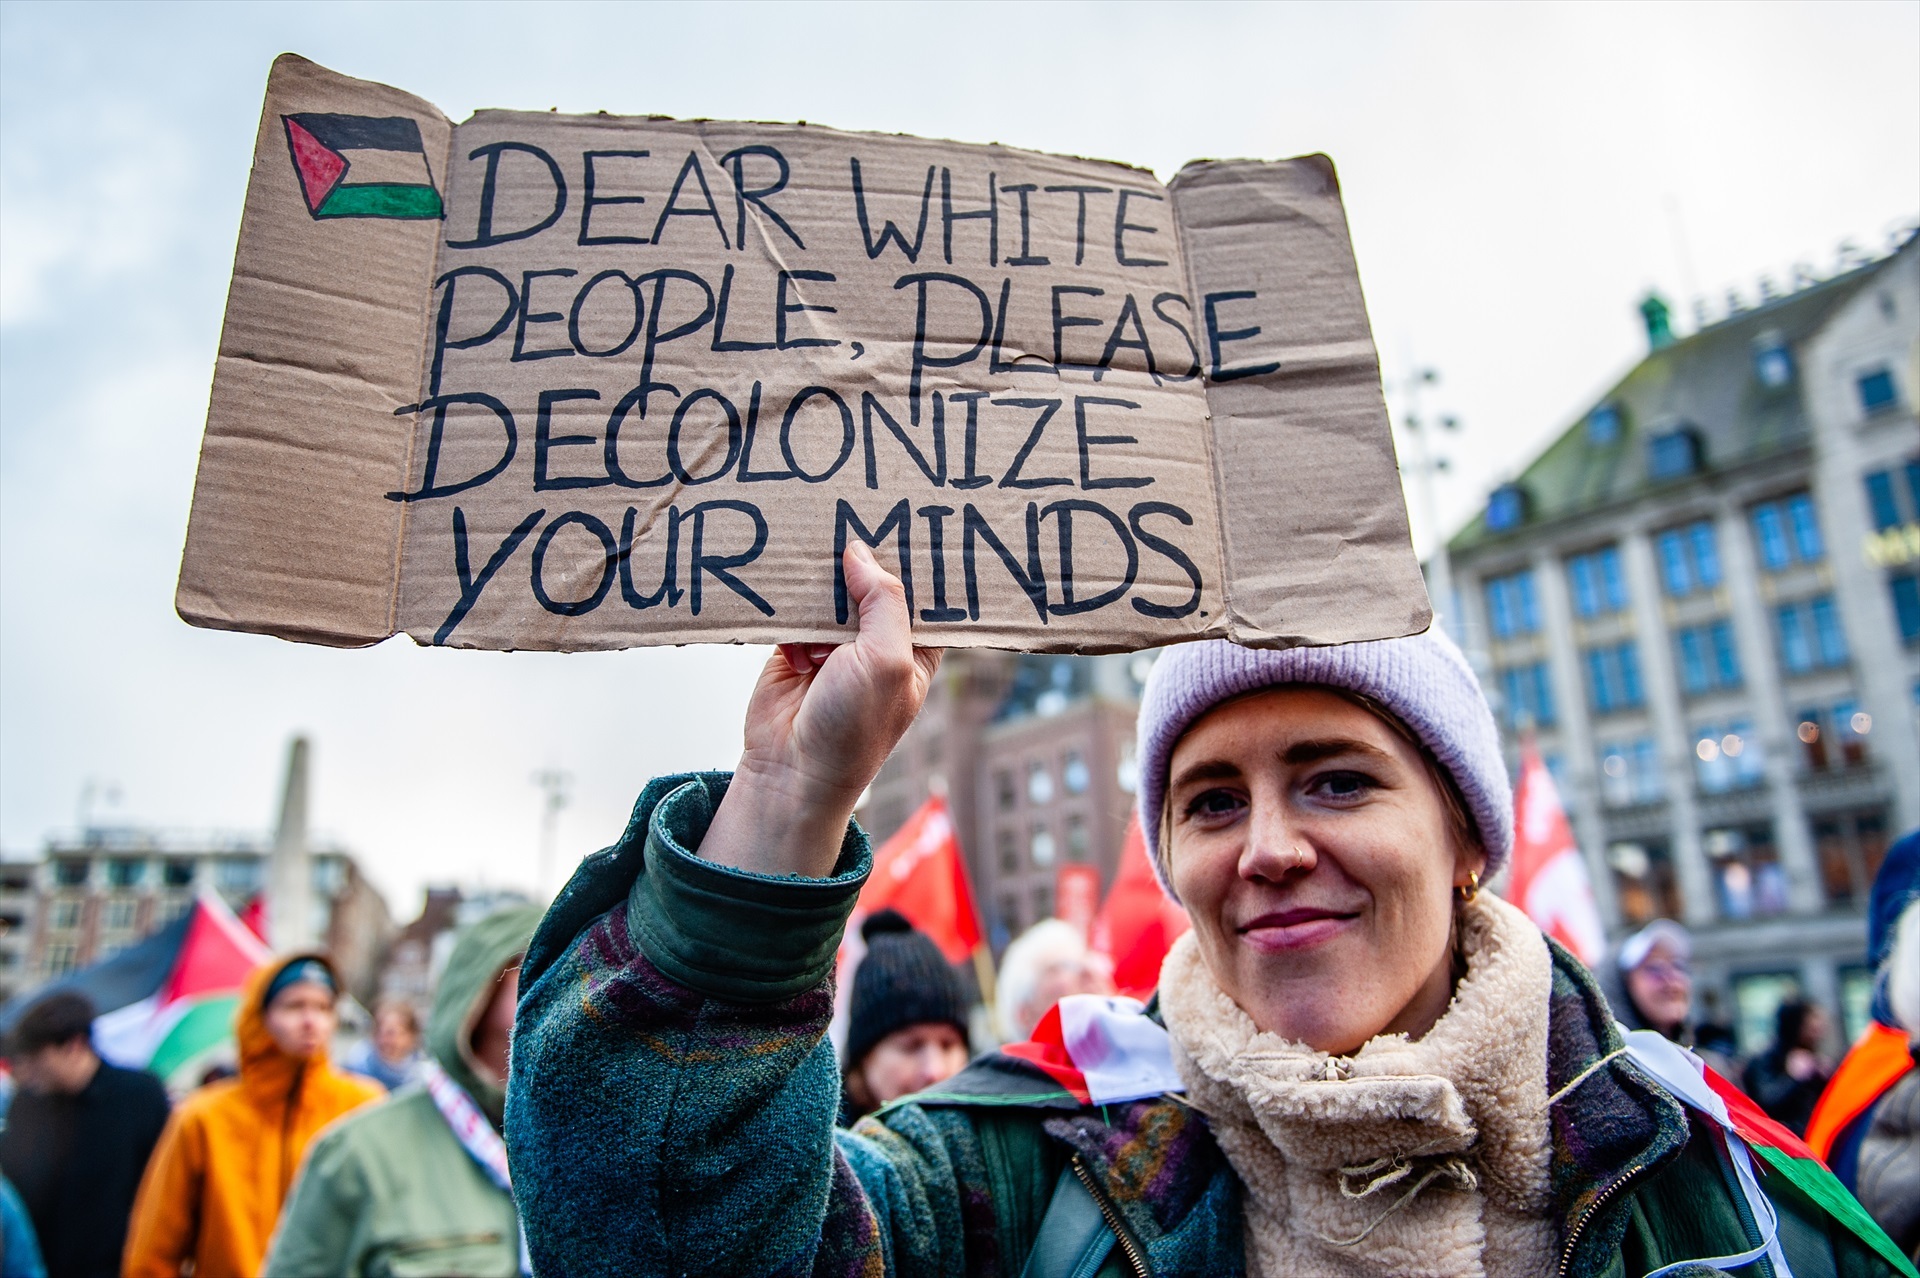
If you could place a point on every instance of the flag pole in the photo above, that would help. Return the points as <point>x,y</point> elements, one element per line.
<point>983,972</point>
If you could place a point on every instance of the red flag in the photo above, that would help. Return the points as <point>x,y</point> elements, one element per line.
<point>1549,877</point>
<point>920,872</point>
<point>1138,924</point>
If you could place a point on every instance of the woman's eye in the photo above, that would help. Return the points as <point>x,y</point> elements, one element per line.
<point>1342,785</point>
<point>1213,804</point>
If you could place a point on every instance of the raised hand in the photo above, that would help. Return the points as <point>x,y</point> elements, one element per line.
<point>822,720</point>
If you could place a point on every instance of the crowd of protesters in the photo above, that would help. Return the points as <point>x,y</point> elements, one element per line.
<point>673,1107</point>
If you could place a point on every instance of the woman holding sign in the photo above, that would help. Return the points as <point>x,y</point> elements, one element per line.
<point>1359,1062</point>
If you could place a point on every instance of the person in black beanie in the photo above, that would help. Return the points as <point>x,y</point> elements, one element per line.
<point>907,1019</point>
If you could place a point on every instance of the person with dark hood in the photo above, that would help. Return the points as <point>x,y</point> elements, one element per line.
<point>213,1191</point>
<point>419,1185</point>
<point>78,1136</point>
<point>1882,1056</point>
<point>907,1021</point>
<point>1787,1078</point>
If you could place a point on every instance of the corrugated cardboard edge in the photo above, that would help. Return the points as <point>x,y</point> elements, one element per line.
<point>1370,586</point>
<point>290,533</point>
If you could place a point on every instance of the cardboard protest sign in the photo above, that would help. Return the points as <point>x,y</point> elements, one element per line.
<point>577,382</point>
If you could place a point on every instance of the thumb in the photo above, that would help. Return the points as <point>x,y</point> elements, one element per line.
<point>880,599</point>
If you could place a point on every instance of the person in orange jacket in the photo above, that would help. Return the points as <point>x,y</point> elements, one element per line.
<point>213,1189</point>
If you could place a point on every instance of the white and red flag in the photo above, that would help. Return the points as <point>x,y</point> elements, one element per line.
<point>1549,876</point>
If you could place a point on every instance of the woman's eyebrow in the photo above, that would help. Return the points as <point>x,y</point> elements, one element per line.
<point>1211,770</point>
<point>1303,752</point>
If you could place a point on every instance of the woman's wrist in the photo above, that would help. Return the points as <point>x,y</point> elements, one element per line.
<point>775,821</point>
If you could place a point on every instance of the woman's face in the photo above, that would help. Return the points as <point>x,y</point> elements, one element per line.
<point>1313,850</point>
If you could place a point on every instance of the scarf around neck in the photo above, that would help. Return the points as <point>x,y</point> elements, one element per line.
<point>1406,1158</point>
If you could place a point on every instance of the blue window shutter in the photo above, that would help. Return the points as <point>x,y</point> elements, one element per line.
<point>1529,610</point>
<point>1886,511</point>
<point>1616,585</point>
<point>1806,528</point>
<point>1832,640</point>
<point>1629,674</point>
<point>1543,696</point>
<point>1771,533</point>
<point>1796,654</point>
<point>1706,553</point>
<point>1673,564</point>
<point>1693,662</point>
<point>1906,609</point>
<point>1726,656</point>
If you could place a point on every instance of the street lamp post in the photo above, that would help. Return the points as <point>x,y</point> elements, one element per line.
<point>1423,463</point>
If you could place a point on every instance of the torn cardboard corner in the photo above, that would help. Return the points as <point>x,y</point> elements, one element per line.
<point>578,382</point>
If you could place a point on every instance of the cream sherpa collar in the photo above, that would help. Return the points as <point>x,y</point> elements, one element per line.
<point>1406,1158</point>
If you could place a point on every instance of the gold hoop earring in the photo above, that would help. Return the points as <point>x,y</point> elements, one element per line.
<point>1472,888</point>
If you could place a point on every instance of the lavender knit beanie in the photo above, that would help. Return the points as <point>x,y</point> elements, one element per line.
<point>1424,679</point>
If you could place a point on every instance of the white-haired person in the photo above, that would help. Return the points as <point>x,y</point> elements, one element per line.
<point>1048,962</point>
<point>1368,1066</point>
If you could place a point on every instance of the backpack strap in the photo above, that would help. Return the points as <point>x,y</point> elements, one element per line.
<point>1073,1239</point>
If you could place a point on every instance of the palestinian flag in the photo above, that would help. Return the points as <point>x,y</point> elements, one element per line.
<point>1750,1132</point>
<point>167,1003</point>
<point>361,166</point>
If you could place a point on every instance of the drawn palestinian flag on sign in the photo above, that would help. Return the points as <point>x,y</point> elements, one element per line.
<point>361,166</point>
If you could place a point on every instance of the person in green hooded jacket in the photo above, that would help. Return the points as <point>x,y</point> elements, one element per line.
<point>418,1185</point>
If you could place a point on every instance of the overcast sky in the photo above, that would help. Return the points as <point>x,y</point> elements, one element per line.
<point>1515,176</point>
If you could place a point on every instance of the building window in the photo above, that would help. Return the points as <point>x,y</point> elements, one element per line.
<point>1529,696</point>
<point>329,875</point>
<point>1077,842</point>
<point>236,874</point>
<point>1708,659</point>
<point>1511,606</point>
<point>1074,774</point>
<point>1834,736</point>
<point>1906,605</point>
<point>70,872</point>
<point>60,958</point>
<point>1673,454</point>
<point>1773,365</point>
<point>177,874</point>
<point>1008,847</point>
<point>1850,848</point>
<point>1689,558</point>
<point>1788,532</point>
<point>1598,586</point>
<point>1630,773</point>
<point>1644,881</point>
<point>1040,847</point>
<point>1506,508</point>
<point>64,915</point>
<point>1039,784</point>
<point>118,915</point>
<point>1727,757</point>
<point>1042,902</point>
<point>1603,426</point>
<point>1613,678</point>
<point>1010,914</point>
<point>125,872</point>
<point>1756,1004</point>
<point>1877,392</point>
<point>1004,794</point>
<point>1747,876</point>
<point>1810,635</point>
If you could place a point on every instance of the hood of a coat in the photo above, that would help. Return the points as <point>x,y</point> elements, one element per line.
<point>265,1070</point>
<point>481,951</point>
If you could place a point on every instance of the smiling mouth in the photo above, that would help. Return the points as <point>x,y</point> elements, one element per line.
<point>1297,928</point>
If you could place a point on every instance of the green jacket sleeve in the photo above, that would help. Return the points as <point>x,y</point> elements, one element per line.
<point>672,1097</point>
